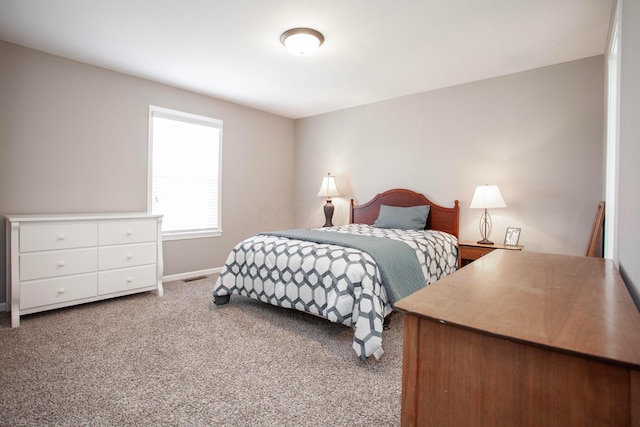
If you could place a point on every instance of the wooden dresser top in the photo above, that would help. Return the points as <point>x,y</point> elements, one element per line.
<point>569,303</point>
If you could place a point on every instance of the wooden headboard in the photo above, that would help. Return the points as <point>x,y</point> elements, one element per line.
<point>440,218</point>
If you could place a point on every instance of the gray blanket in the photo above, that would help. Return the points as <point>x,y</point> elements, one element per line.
<point>399,267</point>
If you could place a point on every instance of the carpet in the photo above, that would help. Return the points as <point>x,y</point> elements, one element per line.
<point>179,360</point>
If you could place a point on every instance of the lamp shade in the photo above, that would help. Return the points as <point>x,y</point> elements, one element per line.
<point>487,197</point>
<point>328,187</point>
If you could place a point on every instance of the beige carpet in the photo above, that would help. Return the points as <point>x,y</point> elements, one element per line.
<point>181,361</point>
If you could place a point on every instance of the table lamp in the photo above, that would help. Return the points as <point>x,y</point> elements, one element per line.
<point>486,197</point>
<point>328,189</point>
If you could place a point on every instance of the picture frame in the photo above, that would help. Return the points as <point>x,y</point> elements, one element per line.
<point>512,236</point>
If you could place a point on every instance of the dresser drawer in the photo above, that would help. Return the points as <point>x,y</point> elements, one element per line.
<point>40,265</point>
<point>126,279</point>
<point>57,235</point>
<point>110,257</point>
<point>131,231</point>
<point>40,293</point>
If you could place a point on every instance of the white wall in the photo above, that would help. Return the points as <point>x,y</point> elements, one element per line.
<point>73,138</point>
<point>536,134</point>
<point>629,172</point>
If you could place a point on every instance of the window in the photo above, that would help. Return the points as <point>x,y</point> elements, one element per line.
<point>185,153</point>
<point>613,138</point>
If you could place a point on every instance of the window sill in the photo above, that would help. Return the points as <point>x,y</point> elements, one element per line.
<point>185,235</point>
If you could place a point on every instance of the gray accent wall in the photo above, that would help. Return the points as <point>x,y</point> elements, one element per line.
<point>538,135</point>
<point>73,139</point>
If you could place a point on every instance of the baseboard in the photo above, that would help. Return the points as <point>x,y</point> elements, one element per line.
<point>191,274</point>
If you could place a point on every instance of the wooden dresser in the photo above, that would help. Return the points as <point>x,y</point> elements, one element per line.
<point>56,261</point>
<point>522,339</point>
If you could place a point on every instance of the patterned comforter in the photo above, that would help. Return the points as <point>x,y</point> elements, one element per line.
<point>338,283</point>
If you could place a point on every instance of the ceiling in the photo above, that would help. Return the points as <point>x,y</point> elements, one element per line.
<point>373,49</point>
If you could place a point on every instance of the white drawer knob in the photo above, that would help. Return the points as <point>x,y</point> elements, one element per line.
<point>61,236</point>
<point>129,279</point>
<point>61,263</point>
<point>61,291</point>
<point>129,233</point>
<point>129,256</point>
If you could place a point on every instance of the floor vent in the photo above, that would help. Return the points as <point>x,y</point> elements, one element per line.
<point>191,279</point>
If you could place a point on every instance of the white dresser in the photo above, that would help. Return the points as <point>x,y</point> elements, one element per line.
<point>56,261</point>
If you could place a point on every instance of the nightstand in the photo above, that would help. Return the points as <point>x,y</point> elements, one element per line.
<point>470,251</point>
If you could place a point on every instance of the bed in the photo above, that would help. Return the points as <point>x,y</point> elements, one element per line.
<point>350,274</point>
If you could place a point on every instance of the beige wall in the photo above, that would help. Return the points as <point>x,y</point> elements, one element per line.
<point>629,174</point>
<point>73,138</point>
<point>537,134</point>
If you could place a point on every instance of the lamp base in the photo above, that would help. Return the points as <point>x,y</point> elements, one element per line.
<point>485,228</point>
<point>485,242</point>
<point>328,214</point>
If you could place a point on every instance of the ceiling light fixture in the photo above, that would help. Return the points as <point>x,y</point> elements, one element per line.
<point>302,41</point>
